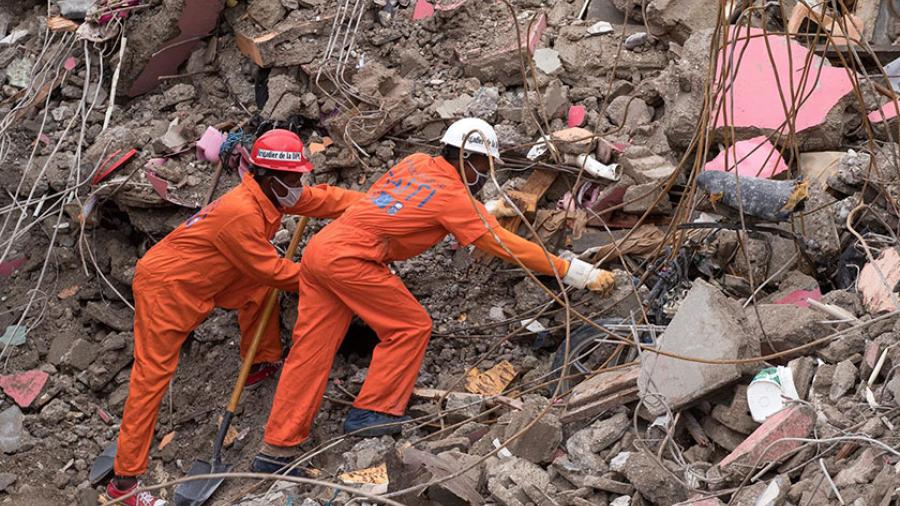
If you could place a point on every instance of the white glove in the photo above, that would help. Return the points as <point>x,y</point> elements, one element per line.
<point>584,275</point>
<point>499,208</point>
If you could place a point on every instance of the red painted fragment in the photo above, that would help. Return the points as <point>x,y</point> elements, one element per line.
<point>159,184</point>
<point>764,446</point>
<point>800,298</point>
<point>751,95</point>
<point>70,63</point>
<point>198,18</point>
<point>755,157</point>
<point>425,9</point>
<point>24,387</point>
<point>8,267</point>
<point>887,112</point>
<point>576,116</point>
<point>104,173</point>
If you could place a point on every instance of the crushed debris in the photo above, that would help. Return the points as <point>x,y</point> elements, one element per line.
<point>749,212</point>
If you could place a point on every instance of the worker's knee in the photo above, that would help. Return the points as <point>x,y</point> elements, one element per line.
<point>420,321</point>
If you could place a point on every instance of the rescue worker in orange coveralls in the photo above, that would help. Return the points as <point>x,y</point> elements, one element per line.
<point>344,272</point>
<point>220,257</point>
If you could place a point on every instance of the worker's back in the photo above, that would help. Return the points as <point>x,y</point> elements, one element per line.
<point>190,256</point>
<point>409,209</point>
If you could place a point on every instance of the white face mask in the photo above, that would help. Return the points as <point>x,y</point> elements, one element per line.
<point>476,185</point>
<point>292,197</point>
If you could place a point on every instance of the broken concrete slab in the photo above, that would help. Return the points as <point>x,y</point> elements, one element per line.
<point>707,325</point>
<point>541,441</point>
<point>498,61</point>
<point>462,406</point>
<point>284,45</point>
<point>655,483</point>
<point>585,445</point>
<point>109,316</point>
<point>645,167</point>
<point>764,446</point>
<point>266,12</point>
<point>453,108</point>
<point>785,326</point>
<point>415,467</point>
<point>639,199</point>
<point>862,471</point>
<point>512,481</point>
<point>629,112</point>
<point>843,381</point>
<point>736,415</point>
<point>723,436</point>
<point>11,431</point>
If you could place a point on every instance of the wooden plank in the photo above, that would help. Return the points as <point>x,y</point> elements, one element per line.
<point>604,384</point>
<point>527,198</point>
<point>595,408</point>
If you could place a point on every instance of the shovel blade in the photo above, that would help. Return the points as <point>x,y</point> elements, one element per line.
<point>197,492</point>
<point>102,467</point>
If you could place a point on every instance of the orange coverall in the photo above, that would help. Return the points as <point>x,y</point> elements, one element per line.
<point>344,271</point>
<point>220,257</point>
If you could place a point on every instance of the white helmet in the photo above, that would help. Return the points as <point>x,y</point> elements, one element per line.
<point>483,138</point>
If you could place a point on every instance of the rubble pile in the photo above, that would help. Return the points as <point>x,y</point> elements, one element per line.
<point>742,184</point>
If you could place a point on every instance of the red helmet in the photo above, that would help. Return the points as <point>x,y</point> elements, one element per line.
<point>280,150</point>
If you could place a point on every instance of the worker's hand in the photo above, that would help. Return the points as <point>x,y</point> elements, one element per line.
<point>584,275</point>
<point>601,281</point>
<point>499,208</point>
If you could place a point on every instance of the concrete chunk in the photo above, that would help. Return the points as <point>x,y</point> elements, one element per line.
<point>640,198</point>
<point>11,420</point>
<point>541,441</point>
<point>706,326</point>
<point>656,484</point>
<point>786,326</point>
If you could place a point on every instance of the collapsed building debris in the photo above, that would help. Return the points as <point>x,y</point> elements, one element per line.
<point>734,164</point>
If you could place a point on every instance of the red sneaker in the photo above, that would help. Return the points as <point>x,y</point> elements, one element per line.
<point>261,372</point>
<point>139,499</point>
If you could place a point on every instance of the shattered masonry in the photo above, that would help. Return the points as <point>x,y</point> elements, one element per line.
<point>749,211</point>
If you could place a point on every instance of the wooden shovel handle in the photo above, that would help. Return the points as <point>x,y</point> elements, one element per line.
<point>271,301</point>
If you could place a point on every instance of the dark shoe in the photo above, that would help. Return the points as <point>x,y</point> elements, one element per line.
<point>366,423</point>
<point>263,463</point>
<point>261,372</point>
<point>139,499</point>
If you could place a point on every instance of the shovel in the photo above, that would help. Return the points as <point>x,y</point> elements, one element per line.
<point>195,493</point>
<point>103,465</point>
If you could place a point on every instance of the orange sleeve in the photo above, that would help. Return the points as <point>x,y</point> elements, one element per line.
<point>530,254</point>
<point>324,201</point>
<point>464,221</point>
<point>242,242</point>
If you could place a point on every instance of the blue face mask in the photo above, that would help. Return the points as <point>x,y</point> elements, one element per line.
<point>292,197</point>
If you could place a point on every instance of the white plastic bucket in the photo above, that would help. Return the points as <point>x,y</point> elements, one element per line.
<point>768,390</point>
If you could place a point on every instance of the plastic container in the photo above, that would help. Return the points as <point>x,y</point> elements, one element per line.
<point>767,392</point>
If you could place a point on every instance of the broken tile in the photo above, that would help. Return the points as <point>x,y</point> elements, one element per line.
<point>878,282</point>
<point>758,448</point>
<point>547,61</point>
<point>14,335</point>
<point>768,65</point>
<point>24,387</point>
<point>756,157</point>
